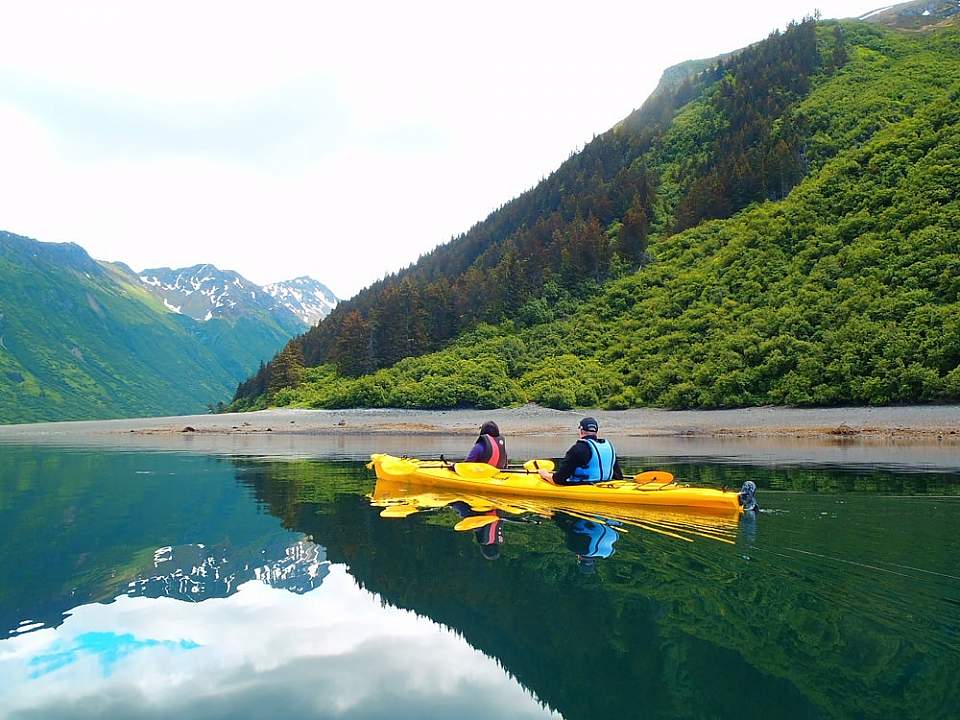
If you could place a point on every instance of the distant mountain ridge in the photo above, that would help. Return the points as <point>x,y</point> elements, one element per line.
<point>305,297</point>
<point>85,339</point>
<point>204,292</point>
<point>917,15</point>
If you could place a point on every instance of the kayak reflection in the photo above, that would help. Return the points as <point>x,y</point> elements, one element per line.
<point>591,530</point>
<point>589,539</point>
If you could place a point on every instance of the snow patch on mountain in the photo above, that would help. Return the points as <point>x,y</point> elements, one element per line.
<point>874,12</point>
<point>305,297</point>
<point>204,293</point>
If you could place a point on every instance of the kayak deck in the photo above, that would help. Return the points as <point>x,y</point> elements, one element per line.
<point>434,473</point>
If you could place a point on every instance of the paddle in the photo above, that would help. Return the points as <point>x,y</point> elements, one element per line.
<point>652,476</point>
<point>475,471</point>
<point>398,511</point>
<point>534,465</point>
<point>475,521</point>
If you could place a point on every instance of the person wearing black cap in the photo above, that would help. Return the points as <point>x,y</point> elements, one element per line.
<point>590,460</point>
<point>490,447</point>
<point>590,539</point>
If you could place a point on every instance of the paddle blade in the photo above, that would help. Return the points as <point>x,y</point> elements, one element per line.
<point>653,476</point>
<point>398,511</point>
<point>475,471</point>
<point>534,465</point>
<point>474,522</point>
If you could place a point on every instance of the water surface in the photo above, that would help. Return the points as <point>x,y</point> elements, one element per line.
<point>148,584</point>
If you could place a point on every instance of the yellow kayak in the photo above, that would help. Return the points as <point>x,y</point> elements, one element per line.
<point>652,488</point>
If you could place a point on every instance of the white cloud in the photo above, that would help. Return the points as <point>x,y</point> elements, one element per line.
<point>337,140</point>
<point>336,651</point>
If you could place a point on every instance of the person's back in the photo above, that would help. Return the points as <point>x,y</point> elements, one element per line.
<point>590,460</point>
<point>490,447</point>
<point>600,464</point>
<point>588,537</point>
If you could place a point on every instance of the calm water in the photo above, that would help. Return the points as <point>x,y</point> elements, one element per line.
<point>136,584</point>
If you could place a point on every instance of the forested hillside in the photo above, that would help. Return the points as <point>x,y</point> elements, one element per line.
<point>778,226</point>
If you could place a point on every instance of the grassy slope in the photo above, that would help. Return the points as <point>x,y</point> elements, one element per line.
<point>81,339</point>
<point>847,291</point>
<point>80,343</point>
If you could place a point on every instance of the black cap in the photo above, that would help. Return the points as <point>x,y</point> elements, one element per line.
<point>490,428</point>
<point>589,424</point>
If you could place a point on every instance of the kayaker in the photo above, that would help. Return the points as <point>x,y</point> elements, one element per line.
<point>590,460</point>
<point>490,536</point>
<point>490,447</point>
<point>589,539</point>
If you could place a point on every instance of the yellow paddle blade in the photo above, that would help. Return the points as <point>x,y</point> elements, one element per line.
<point>480,506</point>
<point>474,522</point>
<point>475,471</point>
<point>653,476</point>
<point>534,465</point>
<point>398,511</point>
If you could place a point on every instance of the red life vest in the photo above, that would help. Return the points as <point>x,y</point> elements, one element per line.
<point>496,451</point>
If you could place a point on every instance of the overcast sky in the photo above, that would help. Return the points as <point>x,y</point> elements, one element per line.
<point>339,140</point>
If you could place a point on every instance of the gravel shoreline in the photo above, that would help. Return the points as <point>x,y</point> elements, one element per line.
<point>913,439</point>
<point>923,423</point>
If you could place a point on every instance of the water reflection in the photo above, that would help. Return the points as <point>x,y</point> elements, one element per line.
<point>213,587</point>
<point>589,539</point>
<point>337,651</point>
<point>487,526</point>
<point>591,528</point>
<point>196,572</point>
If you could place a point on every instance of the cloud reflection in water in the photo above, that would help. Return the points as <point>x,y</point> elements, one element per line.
<point>336,652</point>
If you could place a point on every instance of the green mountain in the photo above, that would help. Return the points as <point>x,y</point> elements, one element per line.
<point>81,339</point>
<point>779,225</point>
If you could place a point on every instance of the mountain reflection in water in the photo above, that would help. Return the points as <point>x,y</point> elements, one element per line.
<point>163,583</point>
<point>337,651</point>
<point>198,572</point>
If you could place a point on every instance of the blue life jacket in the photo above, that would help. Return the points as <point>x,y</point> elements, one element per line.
<point>599,538</point>
<point>600,467</point>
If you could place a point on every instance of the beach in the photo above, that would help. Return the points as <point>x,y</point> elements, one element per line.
<point>921,422</point>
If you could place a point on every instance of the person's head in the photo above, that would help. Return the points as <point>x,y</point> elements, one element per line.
<point>490,552</point>
<point>490,428</point>
<point>588,426</point>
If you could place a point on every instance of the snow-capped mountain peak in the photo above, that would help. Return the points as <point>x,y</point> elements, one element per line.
<point>202,292</point>
<point>308,299</point>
